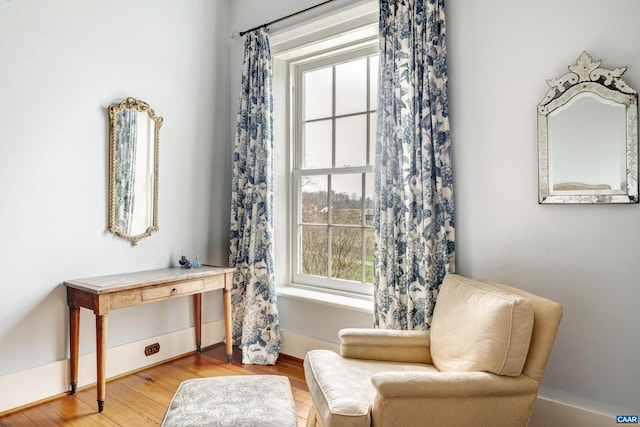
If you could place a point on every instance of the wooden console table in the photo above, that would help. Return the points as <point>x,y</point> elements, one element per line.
<point>106,293</point>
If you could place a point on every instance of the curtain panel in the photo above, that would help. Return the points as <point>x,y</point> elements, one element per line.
<point>253,296</point>
<point>414,212</point>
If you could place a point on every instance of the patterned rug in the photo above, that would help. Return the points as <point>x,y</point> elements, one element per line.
<point>239,400</point>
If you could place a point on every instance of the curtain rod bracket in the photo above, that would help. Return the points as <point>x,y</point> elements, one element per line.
<point>242,33</point>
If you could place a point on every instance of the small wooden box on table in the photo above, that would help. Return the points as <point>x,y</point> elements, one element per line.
<point>106,293</point>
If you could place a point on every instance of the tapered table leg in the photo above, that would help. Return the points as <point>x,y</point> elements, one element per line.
<point>101,359</point>
<point>74,344</point>
<point>226,297</point>
<point>197,310</point>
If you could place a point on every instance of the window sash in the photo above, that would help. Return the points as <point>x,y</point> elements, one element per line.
<point>299,173</point>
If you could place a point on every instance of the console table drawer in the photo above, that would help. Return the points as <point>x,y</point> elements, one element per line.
<point>172,290</point>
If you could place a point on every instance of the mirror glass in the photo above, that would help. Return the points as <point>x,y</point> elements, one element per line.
<point>587,137</point>
<point>133,146</point>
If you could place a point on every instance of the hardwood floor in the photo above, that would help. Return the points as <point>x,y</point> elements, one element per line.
<point>142,398</point>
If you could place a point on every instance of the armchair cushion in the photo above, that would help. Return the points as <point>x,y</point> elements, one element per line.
<point>478,326</point>
<point>341,387</point>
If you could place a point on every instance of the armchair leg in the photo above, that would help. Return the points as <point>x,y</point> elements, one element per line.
<point>311,417</point>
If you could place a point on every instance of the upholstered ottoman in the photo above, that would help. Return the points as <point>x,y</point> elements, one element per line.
<point>239,400</point>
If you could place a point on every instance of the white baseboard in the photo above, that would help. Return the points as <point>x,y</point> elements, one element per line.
<point>50,380</point>
<point>297,345</point>
<point>550,413</point>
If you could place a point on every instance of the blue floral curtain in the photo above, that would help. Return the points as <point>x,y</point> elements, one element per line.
<point>414,216</point>
<point>255,316</point>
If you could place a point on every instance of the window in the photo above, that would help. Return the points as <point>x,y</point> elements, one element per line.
<point>325,93</point>
<point>332,175</point>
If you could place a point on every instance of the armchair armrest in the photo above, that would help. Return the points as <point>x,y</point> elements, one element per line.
<point>385,344</point>
<point>393,385</point>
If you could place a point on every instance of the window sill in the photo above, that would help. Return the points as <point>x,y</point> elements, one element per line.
<point>364,304</point>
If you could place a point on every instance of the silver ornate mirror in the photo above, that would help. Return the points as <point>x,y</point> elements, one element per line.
<point>588,137</point>
<point>134,137</point>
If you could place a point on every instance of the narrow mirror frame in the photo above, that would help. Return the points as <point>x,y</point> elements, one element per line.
<point>132,103</point>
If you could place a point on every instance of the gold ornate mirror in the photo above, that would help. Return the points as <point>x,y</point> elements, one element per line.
<point>588,137</point>
<point>134,137</point>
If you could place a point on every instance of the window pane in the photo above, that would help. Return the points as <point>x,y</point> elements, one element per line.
<point>373,127</point>
<point>368,262</point>
<point>351,87</point>
<point>346,199</point>
<point>318,93</point>
<point>346,253</point>
<point>317,145</point>
<point>369,183</point>
<point>313,191</point>
<point>373,82</point>
<point>314,250</point>
<point>351,141</point>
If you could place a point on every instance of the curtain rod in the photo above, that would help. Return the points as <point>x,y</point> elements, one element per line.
<point>242,33</point>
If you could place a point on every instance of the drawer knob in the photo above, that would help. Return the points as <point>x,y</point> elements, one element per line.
<point>174,291</point>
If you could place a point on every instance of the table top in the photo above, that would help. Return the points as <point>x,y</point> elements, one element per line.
<point>124,281</point>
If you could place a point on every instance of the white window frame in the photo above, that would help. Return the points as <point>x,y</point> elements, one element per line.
<point>353,28</point>
<point>361,49</point>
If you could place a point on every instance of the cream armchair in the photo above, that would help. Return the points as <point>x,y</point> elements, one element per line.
<point>480,364</point>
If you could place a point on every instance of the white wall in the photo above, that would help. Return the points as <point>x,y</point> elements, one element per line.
<point>63,63</point>
<point>500,53</point>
